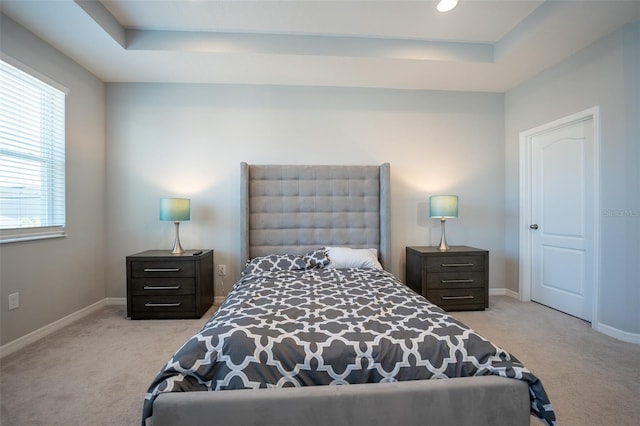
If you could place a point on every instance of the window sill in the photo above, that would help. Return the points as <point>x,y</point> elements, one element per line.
<point>11,236</point>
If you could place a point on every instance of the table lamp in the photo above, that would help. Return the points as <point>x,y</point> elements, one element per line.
<point>443,207</point>
<point>175,209</point>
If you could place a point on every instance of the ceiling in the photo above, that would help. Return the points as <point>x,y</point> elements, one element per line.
<point>486,46</point>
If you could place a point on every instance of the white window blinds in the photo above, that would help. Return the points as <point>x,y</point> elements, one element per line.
<point>32,157</point>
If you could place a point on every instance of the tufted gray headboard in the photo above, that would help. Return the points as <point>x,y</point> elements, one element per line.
<point>298,208</point>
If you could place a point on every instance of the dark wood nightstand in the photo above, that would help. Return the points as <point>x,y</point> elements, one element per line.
<point>455,280</point>
<point>161,285</point>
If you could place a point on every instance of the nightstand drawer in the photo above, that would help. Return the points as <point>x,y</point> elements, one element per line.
<point>163,286</point>
<point>455,263</point>
<point>455,280</point>
<point>162,269</point>
<point>166,304</point>
<point>458,298</point>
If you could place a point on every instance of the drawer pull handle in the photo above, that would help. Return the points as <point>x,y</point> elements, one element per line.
<point>456,297</point>
<point>161,269</point>
<point>161,287</point>
<point>456,281</point>
<point>162,305</point>
<point>455,265</point>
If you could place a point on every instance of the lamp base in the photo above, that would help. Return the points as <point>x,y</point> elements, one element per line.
<point>177,248</point>
<point>443,239</point>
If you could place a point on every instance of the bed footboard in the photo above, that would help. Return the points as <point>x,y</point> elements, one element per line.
<point>484,400</point>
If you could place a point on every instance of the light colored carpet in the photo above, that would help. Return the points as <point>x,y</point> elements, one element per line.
<point>96,371</point>
<point>590,378</point>
<point>93,372</point>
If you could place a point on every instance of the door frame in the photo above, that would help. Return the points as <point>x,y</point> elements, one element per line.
<point>524,262</point>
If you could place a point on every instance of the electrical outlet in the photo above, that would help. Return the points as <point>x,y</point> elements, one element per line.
<point>222,269</point>
<point>14,301</point>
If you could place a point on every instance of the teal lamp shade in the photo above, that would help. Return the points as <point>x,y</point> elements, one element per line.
<point>175,210</point>
<point>443,207</point>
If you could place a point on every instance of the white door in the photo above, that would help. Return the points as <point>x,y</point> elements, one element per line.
<point>562,218</point>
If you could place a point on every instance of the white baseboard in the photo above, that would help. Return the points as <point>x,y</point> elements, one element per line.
<point>504,292</point>
<point>38,334</point>
<point>625,336</point>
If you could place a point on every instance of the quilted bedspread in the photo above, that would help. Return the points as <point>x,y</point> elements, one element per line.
<point>332,327</point>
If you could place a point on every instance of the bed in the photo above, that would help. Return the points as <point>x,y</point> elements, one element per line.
<point>315,308</point>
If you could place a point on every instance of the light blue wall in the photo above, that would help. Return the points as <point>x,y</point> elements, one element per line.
<point>166,140</point>
<point>631,213</point>
<point>58,277</point>
<point>605,74</point>
<point>189,140</point>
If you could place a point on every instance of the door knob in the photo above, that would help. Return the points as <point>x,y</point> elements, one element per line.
<point>534,226</point>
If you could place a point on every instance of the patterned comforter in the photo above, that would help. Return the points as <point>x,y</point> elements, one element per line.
<point>332,327</point>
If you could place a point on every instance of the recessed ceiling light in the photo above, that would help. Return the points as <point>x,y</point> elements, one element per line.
<point>446,5</point>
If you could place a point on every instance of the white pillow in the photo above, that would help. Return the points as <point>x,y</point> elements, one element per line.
<point>345,257</point>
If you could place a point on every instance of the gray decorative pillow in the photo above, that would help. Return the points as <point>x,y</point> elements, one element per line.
<point>317,259</point>
<point>274,262</point>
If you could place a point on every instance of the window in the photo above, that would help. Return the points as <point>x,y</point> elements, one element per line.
<point>32,156</point>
